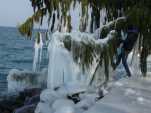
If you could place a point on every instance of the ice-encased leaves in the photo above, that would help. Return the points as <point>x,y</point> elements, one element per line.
<point>85,49</point>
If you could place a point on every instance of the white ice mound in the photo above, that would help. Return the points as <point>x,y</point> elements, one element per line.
<point>58,101</point>
<point>20,80</point>
<point>49,96</point>
<point>53,102</point>
<point>65,109</point>
<point>72,88</point>
<point>62,103</point>
<point>43,108</point>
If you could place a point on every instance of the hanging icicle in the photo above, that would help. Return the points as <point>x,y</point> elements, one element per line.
<point>38,52</point>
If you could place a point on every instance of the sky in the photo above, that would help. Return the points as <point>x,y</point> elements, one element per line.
<point>14,12</point>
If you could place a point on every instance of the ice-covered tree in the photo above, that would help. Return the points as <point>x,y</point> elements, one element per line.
<point>137,12</point>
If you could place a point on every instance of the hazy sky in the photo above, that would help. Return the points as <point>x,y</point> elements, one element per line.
<point>13,12</point>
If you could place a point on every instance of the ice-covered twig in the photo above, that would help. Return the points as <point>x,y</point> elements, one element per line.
<point>113,25</point>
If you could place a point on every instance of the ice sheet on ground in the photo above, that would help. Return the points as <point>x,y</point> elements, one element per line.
<point>132,97</point>
<point>49,96</point>
<point>72,88</point>
<point>62,103</point>
<point>43,108</point>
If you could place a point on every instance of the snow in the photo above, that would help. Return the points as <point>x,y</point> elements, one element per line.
<point>118,84</point>
<point>87,100</point>
<point>49,96</point>
<point>43,108</point>
<point>129,91</point>
<point>73,88</point>
<point>67,109</point>
<point>103,108</point>
<point>52,101</point>
<point>140,99</point>
<point>58,102</point>
<point>132,97</point>
<point>62,103</point>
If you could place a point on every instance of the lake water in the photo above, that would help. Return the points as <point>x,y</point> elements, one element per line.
<point>16,52</point>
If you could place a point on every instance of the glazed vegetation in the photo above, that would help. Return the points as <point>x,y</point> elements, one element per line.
<point>137,11</point>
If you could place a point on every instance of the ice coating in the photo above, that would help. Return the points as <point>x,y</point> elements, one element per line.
<point>62,68</point>
<point>78,22</point>
<point>20,80</point>
<point>38,53</point>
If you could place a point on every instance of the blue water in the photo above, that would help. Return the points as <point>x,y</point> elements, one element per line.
<point>15,52</point>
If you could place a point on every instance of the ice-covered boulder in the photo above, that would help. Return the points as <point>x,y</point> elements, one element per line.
<point>49,96</point>
<point>61,100</point>
<point>87,100</point>
<point>20,80</point>
<point>65,109</point>
<point>43,108</point>
<point>62,103</point>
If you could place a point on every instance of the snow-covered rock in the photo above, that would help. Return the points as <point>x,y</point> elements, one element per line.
<point>72,88</point>
<point>58,100</point>
<point>49,96</point>
<point>87,100</point>
<point>62,103</point>
<point>20,80</point>
<point>43,108</point>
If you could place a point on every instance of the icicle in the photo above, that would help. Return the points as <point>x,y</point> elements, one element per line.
<point>35,61</point>
<point>38,53</point>
<point>41,48</point>
<point>60,68</point>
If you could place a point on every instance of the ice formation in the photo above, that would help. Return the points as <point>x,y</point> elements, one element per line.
<point>38,53</point>
<point>78,22</point>
<point>62,68</point>
<point>66,76</point>
<point>131,97</point>
<point>20,80</point>
<point>137,99</point>
<point>57,101</point>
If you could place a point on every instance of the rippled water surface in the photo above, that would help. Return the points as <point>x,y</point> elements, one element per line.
<point>15,52</point>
